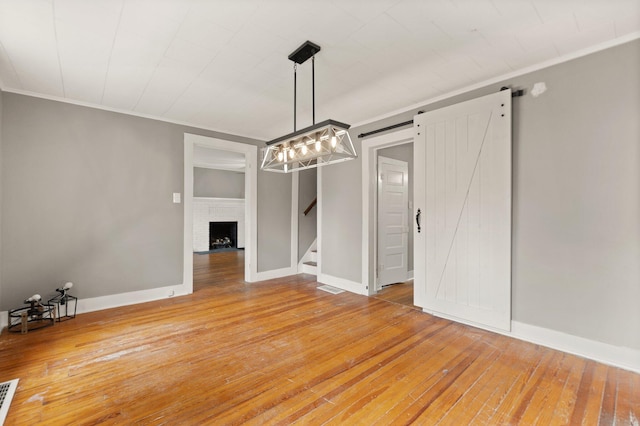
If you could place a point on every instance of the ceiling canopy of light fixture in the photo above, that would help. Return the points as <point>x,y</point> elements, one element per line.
<point>323,143</point>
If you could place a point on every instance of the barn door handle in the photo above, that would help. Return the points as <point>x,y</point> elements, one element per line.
<point>418,219</point>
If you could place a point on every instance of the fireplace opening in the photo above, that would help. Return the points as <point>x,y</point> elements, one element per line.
<point>223,235</point>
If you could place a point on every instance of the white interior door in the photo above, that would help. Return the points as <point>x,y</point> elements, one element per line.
<point>393,229</point>
<point>462,187</point>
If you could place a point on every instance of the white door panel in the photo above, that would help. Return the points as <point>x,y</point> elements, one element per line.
<point>393,238</point>
<point>463,188</point>
<point>395,178</point>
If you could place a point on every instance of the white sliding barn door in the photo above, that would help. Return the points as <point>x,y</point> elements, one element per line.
<point>462,187</point>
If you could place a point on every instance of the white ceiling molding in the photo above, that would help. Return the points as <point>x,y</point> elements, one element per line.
<point>223,66</point>
<point>122,111</point>
<point>498,79</point>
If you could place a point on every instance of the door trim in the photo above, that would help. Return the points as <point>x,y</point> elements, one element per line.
<point>251,197</point>
<point>369,191</point>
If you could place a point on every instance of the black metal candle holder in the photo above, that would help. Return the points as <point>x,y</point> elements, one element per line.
<point>62,301</point>
<point>32,317</point>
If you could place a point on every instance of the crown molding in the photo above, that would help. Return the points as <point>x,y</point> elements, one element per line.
<point>531,68</point>
<point>542,65</point>
<point>126,112</point>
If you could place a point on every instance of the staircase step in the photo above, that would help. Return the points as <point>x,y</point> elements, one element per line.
<point>309,267</point>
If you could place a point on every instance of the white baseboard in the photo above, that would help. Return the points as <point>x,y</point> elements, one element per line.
<point>618,356</point>
<point>131,298</point>
<point>344,284</point>
<point>276,273</point>
<point>99,303</point>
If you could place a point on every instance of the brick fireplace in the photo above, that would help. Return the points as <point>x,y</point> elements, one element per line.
<point>208,210</point>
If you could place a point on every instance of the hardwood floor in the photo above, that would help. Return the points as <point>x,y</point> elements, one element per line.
<point>283,352</point>
<point>401,293</point>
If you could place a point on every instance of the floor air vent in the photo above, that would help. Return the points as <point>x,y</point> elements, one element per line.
<point>330,289</point>
<point>7,389</point>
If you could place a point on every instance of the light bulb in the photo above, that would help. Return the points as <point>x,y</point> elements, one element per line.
<point>280,156</point>
<point>333,141</point>
<point>318,146</point>
<point>304,150</point>
<point>291,153</point>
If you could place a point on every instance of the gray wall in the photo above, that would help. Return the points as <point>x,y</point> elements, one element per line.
<point>576,198</point>
<point>404,153</point>
<point>217,183</point>
<point>307,225</point>
<point>274,220</point>
<point>340,211</point>
<point>86,197</point>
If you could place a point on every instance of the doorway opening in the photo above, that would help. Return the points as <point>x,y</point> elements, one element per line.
<point>397,146</point>
<point>224,189</point>
<point>394,230</point>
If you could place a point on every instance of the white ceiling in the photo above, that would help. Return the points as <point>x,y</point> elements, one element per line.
<point>222,64</point>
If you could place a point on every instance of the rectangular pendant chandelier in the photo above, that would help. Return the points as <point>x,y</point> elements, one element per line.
<point>320,144</point>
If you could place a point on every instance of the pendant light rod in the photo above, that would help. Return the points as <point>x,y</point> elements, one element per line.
<point>313,88</point>
<point>295,97</point>
<point>306,50</point>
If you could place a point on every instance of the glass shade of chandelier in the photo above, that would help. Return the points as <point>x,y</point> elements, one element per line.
<point>320,144</point>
